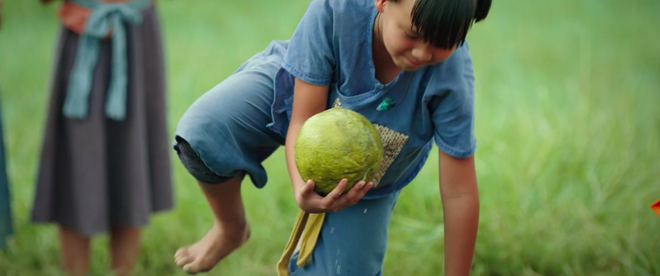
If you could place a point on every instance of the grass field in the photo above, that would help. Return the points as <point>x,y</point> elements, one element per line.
<point>568,131</point>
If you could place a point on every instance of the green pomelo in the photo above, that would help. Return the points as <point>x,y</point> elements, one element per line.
<point>335,144</point>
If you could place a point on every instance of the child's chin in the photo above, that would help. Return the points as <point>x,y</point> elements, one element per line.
<point>403,64</point>
<point>410,68</point>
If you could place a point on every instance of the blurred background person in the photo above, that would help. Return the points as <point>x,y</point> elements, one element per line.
<point>104,164</point>
<point>6,224</point>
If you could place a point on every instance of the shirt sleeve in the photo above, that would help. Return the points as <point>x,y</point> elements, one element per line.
<point>310,54</point>
<point>452,111</point>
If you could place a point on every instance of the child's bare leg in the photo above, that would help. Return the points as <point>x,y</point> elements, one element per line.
<point>125,246</point>
<point>230,229</point>
<point>75,252</point>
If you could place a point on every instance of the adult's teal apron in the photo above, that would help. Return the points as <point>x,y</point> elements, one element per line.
<point>105,18</point>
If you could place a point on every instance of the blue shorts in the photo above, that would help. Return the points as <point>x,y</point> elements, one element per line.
<point>225,133</point>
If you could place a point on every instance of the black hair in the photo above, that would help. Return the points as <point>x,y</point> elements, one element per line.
<point>445,23</point>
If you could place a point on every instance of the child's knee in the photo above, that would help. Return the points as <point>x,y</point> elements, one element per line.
<point>192,161</point>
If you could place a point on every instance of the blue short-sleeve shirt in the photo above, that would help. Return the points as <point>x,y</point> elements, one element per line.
<point>332,46</point>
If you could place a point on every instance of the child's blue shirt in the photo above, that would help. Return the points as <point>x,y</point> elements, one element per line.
<point>332,46</point>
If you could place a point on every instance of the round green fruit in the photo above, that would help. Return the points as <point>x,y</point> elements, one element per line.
<point>335,144</point>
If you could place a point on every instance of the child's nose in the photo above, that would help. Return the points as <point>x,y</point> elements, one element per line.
<point>422,53</point>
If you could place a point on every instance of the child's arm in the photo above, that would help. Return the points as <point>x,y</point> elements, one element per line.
<point>460,202</point>
<point>309,100</point>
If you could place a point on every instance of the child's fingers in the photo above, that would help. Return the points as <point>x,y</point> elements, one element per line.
<point>330,199</point>
<point>353,195</point>
<point>308,188</point>
<point>364,190</point>
<point>361,191</point>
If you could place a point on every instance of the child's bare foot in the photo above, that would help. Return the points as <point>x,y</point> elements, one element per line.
<point>219,242</point>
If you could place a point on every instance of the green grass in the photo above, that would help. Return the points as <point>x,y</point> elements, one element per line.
<point>568,134</point>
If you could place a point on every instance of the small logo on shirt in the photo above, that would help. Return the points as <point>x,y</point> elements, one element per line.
<point>386,104</point>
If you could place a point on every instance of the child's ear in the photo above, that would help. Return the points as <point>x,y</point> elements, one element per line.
<point>483,6</point>
<point>380,5</point>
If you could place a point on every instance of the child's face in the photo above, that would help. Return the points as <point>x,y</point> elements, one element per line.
<point>407,49</point>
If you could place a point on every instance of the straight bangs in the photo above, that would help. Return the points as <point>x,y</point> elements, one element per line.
<point>443,23</point>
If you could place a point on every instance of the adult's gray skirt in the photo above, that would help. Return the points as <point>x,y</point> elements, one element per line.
<point>96,173</point>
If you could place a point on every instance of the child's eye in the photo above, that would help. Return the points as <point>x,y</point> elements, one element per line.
<point>410,36</point>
